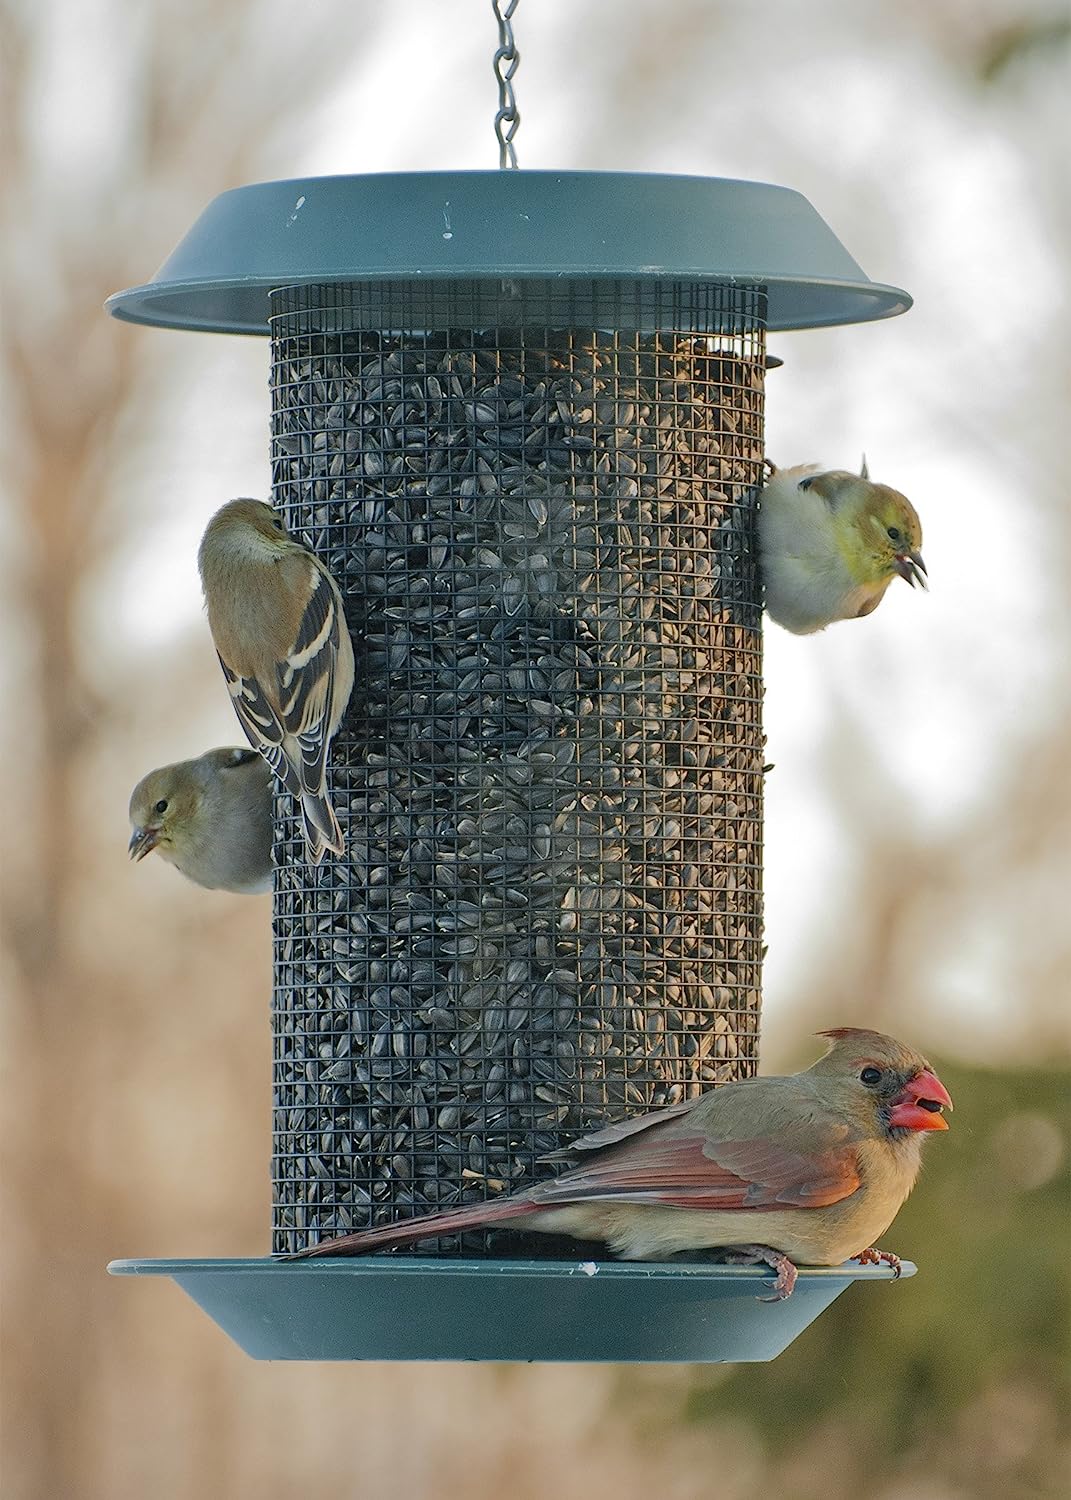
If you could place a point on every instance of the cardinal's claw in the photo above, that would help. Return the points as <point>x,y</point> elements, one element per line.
<point>748,1255</point>
<point>786,1278</point>
<point>873,1257</point>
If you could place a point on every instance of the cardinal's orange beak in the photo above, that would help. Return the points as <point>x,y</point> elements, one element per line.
<point>919,1103</point>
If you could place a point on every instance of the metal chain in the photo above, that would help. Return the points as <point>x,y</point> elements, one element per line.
<point>507,60</point>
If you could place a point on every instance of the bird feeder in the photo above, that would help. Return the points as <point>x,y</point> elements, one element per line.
<point>520,416</point>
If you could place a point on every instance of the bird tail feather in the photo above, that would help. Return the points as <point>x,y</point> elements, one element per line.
<point>425,1227</point>
<point>320,825</point>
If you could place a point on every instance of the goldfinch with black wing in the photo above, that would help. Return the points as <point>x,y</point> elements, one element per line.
<point>279,626</point>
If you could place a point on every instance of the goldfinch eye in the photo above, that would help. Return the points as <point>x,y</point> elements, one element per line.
<point>894,534</point>
<point>807,481</point>
<point>870,1076</point>
<point>161,806</point>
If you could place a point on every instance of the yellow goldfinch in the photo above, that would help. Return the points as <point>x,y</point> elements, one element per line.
<point>279,625</point>
<point>830,543</point>
<point>210,818</point>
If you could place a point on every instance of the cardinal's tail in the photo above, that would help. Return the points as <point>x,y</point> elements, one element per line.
<point>426,1227</point>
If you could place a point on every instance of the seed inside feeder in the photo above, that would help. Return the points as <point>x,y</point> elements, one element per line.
<point>550,777</point>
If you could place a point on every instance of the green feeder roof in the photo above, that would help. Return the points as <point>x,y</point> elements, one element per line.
<point>577,230</point>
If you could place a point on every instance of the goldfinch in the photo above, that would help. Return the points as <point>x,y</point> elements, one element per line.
<point>830,543</point>
<point>279,626</point>
<point>210,818</point>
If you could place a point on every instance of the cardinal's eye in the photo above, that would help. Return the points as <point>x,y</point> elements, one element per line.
<point>894,534</point>
<point>870,1076</point>
<point>161,806</point>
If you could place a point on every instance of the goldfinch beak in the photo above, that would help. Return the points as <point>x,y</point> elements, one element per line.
<point>143,841</point>
<point>911,568</point>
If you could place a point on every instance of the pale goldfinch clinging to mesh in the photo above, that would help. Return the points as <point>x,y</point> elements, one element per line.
<point>830,543</point>
<point>210,818</point>
<point>279,625</point>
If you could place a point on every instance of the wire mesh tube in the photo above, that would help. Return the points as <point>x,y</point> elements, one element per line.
<point>550,776</point>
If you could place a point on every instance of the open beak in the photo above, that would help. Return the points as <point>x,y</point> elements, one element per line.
<point>911,568</point>
<point>143,841</point>
<point>919,1103</point>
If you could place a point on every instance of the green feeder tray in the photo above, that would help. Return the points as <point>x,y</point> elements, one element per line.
<point>420,1308</point>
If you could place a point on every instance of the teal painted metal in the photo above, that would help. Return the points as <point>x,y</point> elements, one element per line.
<point>585,242</point>
<point>488,229</point>
<point>405,1308</point>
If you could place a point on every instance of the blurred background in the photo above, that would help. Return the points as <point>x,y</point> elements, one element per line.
<point>919,816</point>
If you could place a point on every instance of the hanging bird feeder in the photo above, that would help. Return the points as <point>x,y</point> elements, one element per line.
<point>520,415</point>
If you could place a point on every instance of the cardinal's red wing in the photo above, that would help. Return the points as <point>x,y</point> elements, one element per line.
<point>696,1172</point>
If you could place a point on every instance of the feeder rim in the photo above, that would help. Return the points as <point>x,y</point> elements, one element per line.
<point>141,304</point>
<point>550,1270</point>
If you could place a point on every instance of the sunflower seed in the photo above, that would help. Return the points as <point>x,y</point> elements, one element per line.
<point>550,774</point>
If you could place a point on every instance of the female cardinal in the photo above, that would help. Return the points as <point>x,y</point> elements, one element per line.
<point>810,1168</point>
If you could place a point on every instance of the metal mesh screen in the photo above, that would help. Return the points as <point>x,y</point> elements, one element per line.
<point>550,776</point>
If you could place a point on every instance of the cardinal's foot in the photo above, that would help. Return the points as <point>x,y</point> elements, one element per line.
<point>872,1257</point>
<point>749,1255</point>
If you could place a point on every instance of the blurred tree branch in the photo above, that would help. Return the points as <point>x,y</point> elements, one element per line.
<point>75,380</point>
<point>205,94</point>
